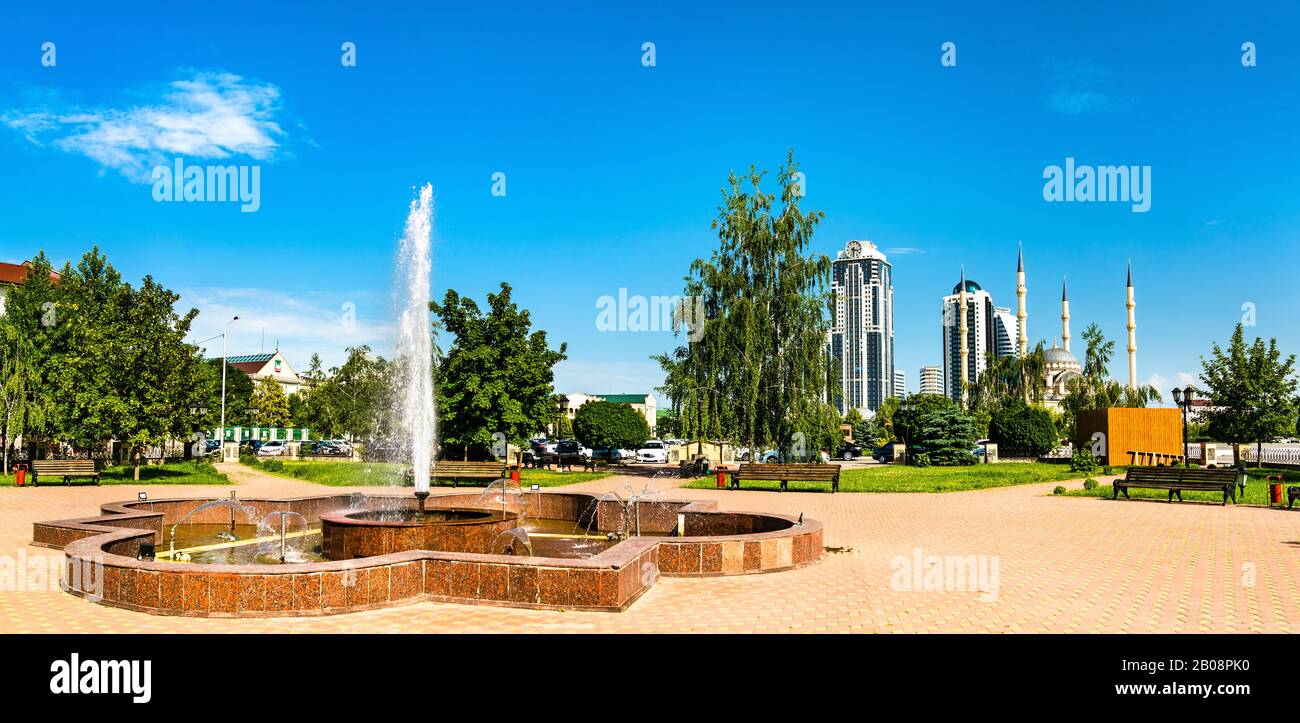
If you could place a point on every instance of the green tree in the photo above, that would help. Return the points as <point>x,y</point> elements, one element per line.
<point>239,394</point>
<point>945,434</point>
<point>1252,389</point>
<point>270,406</point>
<point>756,365</point>
<point>610,425</point>
<point>498,375</point>
<point>1022,430</point>
<point>22,406</point>
<point>906,419</point>
<point>1008,381</point>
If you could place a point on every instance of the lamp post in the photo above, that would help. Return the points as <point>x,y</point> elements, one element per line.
<point>1183,398</point>
<point>221,433</point>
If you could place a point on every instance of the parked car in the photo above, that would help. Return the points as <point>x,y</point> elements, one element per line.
<point>614,455</point>
<point>331,448</point>
<point>654,452</point>
<point>212,446</point>
<point>884,454</point>
<point>572,446</point>
<point>274,448</point>
<point>771,456</point>
<point>850,451</point>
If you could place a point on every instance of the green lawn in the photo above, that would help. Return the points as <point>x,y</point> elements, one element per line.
<point>172,473</point>
<point>895,478</point>
<point>1256,490</point>
<point>347,474</point>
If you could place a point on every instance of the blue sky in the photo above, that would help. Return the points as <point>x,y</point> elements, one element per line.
<point>613,169</point>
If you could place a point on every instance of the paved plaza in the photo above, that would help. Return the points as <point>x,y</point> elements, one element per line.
<point>1051,564</point>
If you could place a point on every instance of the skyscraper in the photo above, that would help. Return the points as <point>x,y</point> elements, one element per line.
<point>931,380</point>
<point>900,383</point>
<point>862,327</point>
<point>975,344</point>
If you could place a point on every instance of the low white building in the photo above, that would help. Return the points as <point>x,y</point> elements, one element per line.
<point>272,365</point>
<point>644,404</point>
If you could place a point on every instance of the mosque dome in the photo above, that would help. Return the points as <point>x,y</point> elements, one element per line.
<point>971,287</point>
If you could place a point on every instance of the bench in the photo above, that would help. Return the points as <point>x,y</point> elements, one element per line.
<point>1178,479</point>
<point>1155,459</point>
<point>785,473</point>
<point>1292,494</point>
<point>453,470</point>
<point>65,468</point>
<point>564,462</point>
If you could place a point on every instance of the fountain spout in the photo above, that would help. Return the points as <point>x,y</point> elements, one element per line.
<point>420,497</point>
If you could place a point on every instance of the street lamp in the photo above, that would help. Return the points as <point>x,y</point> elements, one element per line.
<point>221,433</point>
<point>1184,398</point>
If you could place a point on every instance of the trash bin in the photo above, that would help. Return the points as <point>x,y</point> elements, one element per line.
<point>20,475</point>
<point>514,473</point>
<point>722,478</point>
<point>1274,489</point>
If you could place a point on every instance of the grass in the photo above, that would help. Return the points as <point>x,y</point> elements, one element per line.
<point>1256,489</point>
<point>172,473</point>
<point>348,474</point>
<point>895,478</point>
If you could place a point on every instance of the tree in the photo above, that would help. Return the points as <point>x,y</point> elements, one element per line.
<point>1252,391</point>
<point>1022,430</point>
<point>21,405</point>
<point>756,364</point>
<point>906,420</point>
<point>270,404</point>
<point>945,435</point>
<point>498,375</point>
<point>1008,381</point>
<point>610,425</point>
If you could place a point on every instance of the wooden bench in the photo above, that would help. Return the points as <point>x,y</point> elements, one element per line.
<point>454,470</point>
<point>1154,459</point>
<point>1178,479</point>
<point>65,468</point>
<point>785,473</point>
<point>564,462</point>
<point>1292,494</point>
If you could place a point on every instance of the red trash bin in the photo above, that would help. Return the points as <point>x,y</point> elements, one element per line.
<point>722,478</point>
<point>20,475</point>
<point>514,473</point>
<point>1274,489</point>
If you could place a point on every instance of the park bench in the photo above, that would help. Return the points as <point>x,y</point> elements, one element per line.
<point>1155,459</point>
<point>1292,494</point>
<point>455,470</point>
<point>1179,479</point>
<point>785,473</point>
<point>564,462</point>
<point>698,467</point>
<point>65,468</point>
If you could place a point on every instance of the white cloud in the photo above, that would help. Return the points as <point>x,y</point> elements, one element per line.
<point>1185,378</point>
<point>903,251</point>
<point>301,324</point>
<point>212,116</point>
<point>1157,381</point>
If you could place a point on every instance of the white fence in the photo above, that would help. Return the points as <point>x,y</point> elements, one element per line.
<point>1288,454</point>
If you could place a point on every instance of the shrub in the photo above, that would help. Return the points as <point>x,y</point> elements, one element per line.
<point>1022,430</point>
<point>273,465</point>
<point>921,459</point>
<point>1090,484</point>
<point>1084,462</point>
<point>610,425</point>
<point>1059,490</point>
<point>248,459</point>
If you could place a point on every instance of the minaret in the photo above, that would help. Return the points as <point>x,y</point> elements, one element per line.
<point>961,332</point>
<point>1132,334</point>
<point>1065,317</point>
<point>1022,316</point>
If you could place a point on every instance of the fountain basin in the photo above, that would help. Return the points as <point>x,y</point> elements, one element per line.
<point>366,533</point>
<point>101,565</point>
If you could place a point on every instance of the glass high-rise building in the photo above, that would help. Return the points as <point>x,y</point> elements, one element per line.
<point>862,327</point>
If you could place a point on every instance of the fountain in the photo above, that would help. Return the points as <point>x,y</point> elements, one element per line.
<point>414,345</point>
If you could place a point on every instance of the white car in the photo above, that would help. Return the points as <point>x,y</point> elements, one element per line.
<point>271,449</point>
<point>653,452</point>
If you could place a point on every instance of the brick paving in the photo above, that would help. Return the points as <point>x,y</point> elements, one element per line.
<point>1063,565</point>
